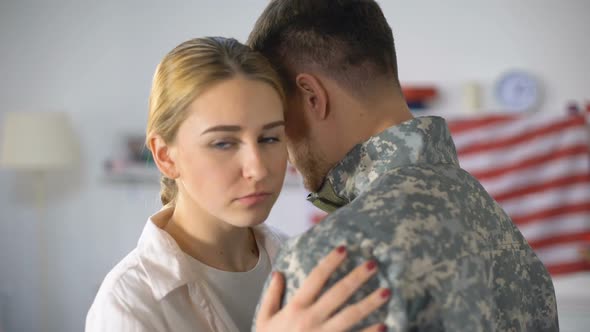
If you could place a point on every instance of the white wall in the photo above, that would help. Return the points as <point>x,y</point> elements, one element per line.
<point>95,60</point>
<point>452,42</point>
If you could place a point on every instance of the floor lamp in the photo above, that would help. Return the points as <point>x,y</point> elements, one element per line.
<point>37,144</point>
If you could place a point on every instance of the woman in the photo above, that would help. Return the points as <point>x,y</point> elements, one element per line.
<point>216,132</point>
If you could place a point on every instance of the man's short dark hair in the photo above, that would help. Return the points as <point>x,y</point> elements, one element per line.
<point>347,40</point>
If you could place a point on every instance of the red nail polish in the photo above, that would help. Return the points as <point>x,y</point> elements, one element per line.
<point>386,293</point>
<point>382,328</point>
<point>341,249</point>
<point>371,265</point>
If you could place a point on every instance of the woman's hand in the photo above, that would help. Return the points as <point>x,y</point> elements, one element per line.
<point>306,312</point>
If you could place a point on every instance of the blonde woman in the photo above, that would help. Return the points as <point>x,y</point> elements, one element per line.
<point>216,132</point>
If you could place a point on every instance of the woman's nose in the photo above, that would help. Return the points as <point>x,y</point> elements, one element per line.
<point>254,166</point>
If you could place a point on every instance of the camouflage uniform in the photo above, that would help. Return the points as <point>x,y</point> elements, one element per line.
<point>451,256</point>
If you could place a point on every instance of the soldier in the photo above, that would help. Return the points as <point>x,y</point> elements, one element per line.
<point>392,184</point>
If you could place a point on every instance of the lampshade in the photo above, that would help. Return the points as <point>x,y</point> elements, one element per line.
<point>37,141</point>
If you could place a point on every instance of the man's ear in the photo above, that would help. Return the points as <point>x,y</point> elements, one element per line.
<point>163,156</point>
<point>314,95</point>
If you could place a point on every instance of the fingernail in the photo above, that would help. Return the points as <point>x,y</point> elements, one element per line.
<point>382,328</point>
<point>341,249</point>
<point>371,265</point>
<point>386,293</point>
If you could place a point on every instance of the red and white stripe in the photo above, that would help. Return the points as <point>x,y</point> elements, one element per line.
<point>538,169</point>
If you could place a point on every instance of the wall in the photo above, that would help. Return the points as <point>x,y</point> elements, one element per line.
<point>95,60</point>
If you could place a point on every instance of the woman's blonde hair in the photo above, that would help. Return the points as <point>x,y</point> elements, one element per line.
<point>185,73</point>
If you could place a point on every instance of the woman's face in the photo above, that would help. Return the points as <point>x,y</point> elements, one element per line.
<point>230,152</point>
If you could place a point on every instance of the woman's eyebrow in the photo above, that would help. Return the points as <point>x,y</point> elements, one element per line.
<point>222,128</point>
<point>235,128</point>
<point>273,124</point>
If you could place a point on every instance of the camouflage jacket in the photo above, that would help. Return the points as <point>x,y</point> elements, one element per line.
<point>451,256</point>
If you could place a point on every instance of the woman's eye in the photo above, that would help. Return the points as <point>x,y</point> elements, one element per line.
<point>223,145</point>
<point>269,140</point>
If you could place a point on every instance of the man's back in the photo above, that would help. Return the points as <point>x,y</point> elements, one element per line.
<point>450,254</point>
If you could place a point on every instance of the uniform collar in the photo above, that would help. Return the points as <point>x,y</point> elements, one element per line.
<point>419,140</point>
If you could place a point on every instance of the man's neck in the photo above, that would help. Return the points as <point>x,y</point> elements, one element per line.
<point>424,140</point>
<point>372,118</point>
<point>384,112</point>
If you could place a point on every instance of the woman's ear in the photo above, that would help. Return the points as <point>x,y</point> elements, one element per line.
<point>314,95</point>
<point>163,155</point>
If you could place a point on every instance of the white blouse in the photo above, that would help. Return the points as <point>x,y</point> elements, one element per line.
<point>157,288</point>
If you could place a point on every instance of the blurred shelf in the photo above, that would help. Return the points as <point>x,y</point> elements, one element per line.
<point>132,173</point>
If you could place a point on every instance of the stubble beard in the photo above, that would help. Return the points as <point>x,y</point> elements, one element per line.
<point>311,165</point>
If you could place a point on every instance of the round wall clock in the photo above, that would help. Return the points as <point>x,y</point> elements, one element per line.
<point>518,91</point>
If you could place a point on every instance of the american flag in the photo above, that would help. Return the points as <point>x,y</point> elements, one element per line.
<point>537,167</point>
